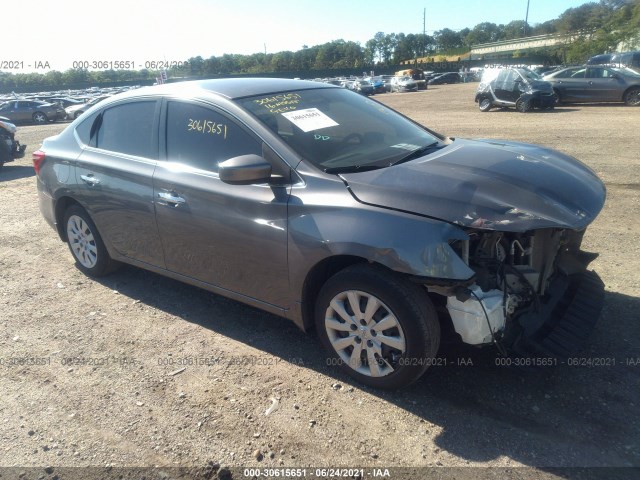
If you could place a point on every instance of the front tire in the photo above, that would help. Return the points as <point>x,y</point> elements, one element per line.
<point>40,118</point>
<point>86,244</point>
<point>523,106</point>
<point>632,97</point>
<point>485,104</point>
<point>379,327</point>
<point>5,154</point>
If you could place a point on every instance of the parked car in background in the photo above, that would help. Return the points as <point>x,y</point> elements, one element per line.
<point>65,102</point>
<point>333,81</point>
<point>386,80</point>
<point>627,59</point>
<point>322,206</point>
<point>74,111</point>
<point>602,59</point>
<point>624,59</point>
<point>416,74</point>
<point>32,111</point>
<point>377,83</point>
<point>362,86</point>
<point>449,77</point>
<point>10,148</point>
<point>403,84</point>
<point>519,88</point>
<point>596,83</point>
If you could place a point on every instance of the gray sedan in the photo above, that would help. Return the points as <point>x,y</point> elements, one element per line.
<point>595,83</point>
<point>31,111</point>
<point>323,206</point>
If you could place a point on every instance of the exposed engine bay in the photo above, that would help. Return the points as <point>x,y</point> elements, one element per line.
<point>525,286</point>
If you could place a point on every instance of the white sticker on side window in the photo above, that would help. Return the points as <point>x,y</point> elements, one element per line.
<point>309,119</point>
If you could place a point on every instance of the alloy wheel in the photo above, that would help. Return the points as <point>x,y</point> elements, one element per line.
<point>82,241</point>
<point>365,333</point>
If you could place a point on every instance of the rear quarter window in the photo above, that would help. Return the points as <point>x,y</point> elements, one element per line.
<point>85,131</point>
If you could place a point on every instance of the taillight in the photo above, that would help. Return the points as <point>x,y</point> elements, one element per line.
<point>38,159</point>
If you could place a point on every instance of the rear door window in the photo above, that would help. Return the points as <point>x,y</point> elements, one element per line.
<point>129,128</point>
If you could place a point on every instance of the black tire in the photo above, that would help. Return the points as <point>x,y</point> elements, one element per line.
<point>5,152</point>
<point>523,106</point>
<point>40,118</point>
<point>410,321</point>
<point>632,97</point>
<point>97,263</point>
<point>485,104</point>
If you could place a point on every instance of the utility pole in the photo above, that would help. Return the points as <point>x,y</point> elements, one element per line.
<point>424,31</point>
<point>526,19</point>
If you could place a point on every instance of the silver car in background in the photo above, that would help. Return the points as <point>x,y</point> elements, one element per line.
<point>403,84</point>
<point>323,206</point>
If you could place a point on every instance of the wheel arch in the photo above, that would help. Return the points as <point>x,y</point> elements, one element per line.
<point>317,277</point>
<point>61,206</point>
<point>632,87</point>
<point>322,271</point>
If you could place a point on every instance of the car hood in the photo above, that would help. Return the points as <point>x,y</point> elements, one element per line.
<point>541,86</point>
<point>488,184</point>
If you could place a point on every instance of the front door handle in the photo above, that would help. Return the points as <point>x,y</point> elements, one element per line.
<point>90,179</point>
<point>170,198</point>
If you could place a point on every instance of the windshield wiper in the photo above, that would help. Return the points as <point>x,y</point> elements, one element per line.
<point>415,154</point>
<point>353,169</point>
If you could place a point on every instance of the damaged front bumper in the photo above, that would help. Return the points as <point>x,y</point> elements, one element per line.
<point>10,148</point>
<point>531,294</point>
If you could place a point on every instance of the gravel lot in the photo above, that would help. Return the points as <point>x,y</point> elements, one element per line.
<point>139,370</point>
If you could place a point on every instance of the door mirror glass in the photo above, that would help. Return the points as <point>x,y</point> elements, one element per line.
<point>245,170</point>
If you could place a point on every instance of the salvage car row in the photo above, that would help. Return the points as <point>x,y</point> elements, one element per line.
<point>525,90</point>
<point>44,107</point>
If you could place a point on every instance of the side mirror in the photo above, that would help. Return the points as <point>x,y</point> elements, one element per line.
<point>245,170</point>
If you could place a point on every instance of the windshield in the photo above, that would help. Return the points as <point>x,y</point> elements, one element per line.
<point>627,71</point>
<point>529,74</point>
<point>338,130</point>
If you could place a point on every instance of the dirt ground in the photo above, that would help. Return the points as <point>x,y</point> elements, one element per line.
<point>138,370</point>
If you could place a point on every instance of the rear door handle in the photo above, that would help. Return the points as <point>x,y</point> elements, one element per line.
<point>90,179</point>
<point>170,198</point>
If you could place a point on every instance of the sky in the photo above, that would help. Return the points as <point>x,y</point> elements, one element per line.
<point>52,35</point>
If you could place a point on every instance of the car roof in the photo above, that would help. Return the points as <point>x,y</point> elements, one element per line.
<point>231,88</point>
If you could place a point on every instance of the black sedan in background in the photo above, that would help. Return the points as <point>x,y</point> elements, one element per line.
<point>449,77</point>
<point>596,83</point>
<point>35,111</point>
<point>363,87</point>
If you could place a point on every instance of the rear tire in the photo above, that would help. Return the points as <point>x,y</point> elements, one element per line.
<point>86,244</point>
<point>377,326</point>
<point>523,106</point>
